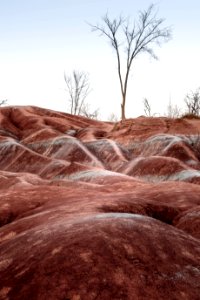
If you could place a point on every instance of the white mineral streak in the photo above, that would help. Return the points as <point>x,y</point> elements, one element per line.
<point>90,174</point>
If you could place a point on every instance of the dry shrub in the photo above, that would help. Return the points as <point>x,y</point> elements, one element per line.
<point>190,116</point>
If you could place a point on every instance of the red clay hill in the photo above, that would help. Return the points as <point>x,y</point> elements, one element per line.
<point>97,210</point>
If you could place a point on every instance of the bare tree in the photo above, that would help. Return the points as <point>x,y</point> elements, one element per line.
<point>113,118</point>
<point>138,38</point>
<point>192,101</point>
<point>86,112</point>
<point>78,88</point>
<point>2,102</point>
<point>173,111</point>
<point>147,107</point>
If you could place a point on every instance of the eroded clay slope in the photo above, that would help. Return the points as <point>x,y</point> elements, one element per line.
<point>96,210</point>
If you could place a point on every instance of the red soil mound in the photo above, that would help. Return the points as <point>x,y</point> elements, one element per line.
<point>95,210</point>
<point>189,221</point>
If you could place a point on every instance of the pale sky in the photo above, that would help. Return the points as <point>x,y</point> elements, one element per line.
<point>42,39</point>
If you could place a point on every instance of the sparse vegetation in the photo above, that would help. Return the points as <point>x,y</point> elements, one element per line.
<point>113,118</point>
<point>86,112</point>
<point>190,116</point>
<point>3,102</point>
<point>78,88</point>
<point>192,101</point>
<point>147,107</point>
<point>173,111</point>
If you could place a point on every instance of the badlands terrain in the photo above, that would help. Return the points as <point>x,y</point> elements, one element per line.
<point>97,210</point>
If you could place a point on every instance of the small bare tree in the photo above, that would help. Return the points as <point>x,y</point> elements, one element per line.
<point>86,112</point>
<point>173,111</point>
<point>2,102</point>
<point>113,118</point>
<point>138,38</point>
<point>147,107</point>
<point>78,88</point>
<point>192,101</point>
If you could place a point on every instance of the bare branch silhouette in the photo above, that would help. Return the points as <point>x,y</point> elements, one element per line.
<point>138,38</point>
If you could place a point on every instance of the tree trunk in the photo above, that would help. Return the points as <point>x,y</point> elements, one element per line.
<point>123,117</point>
